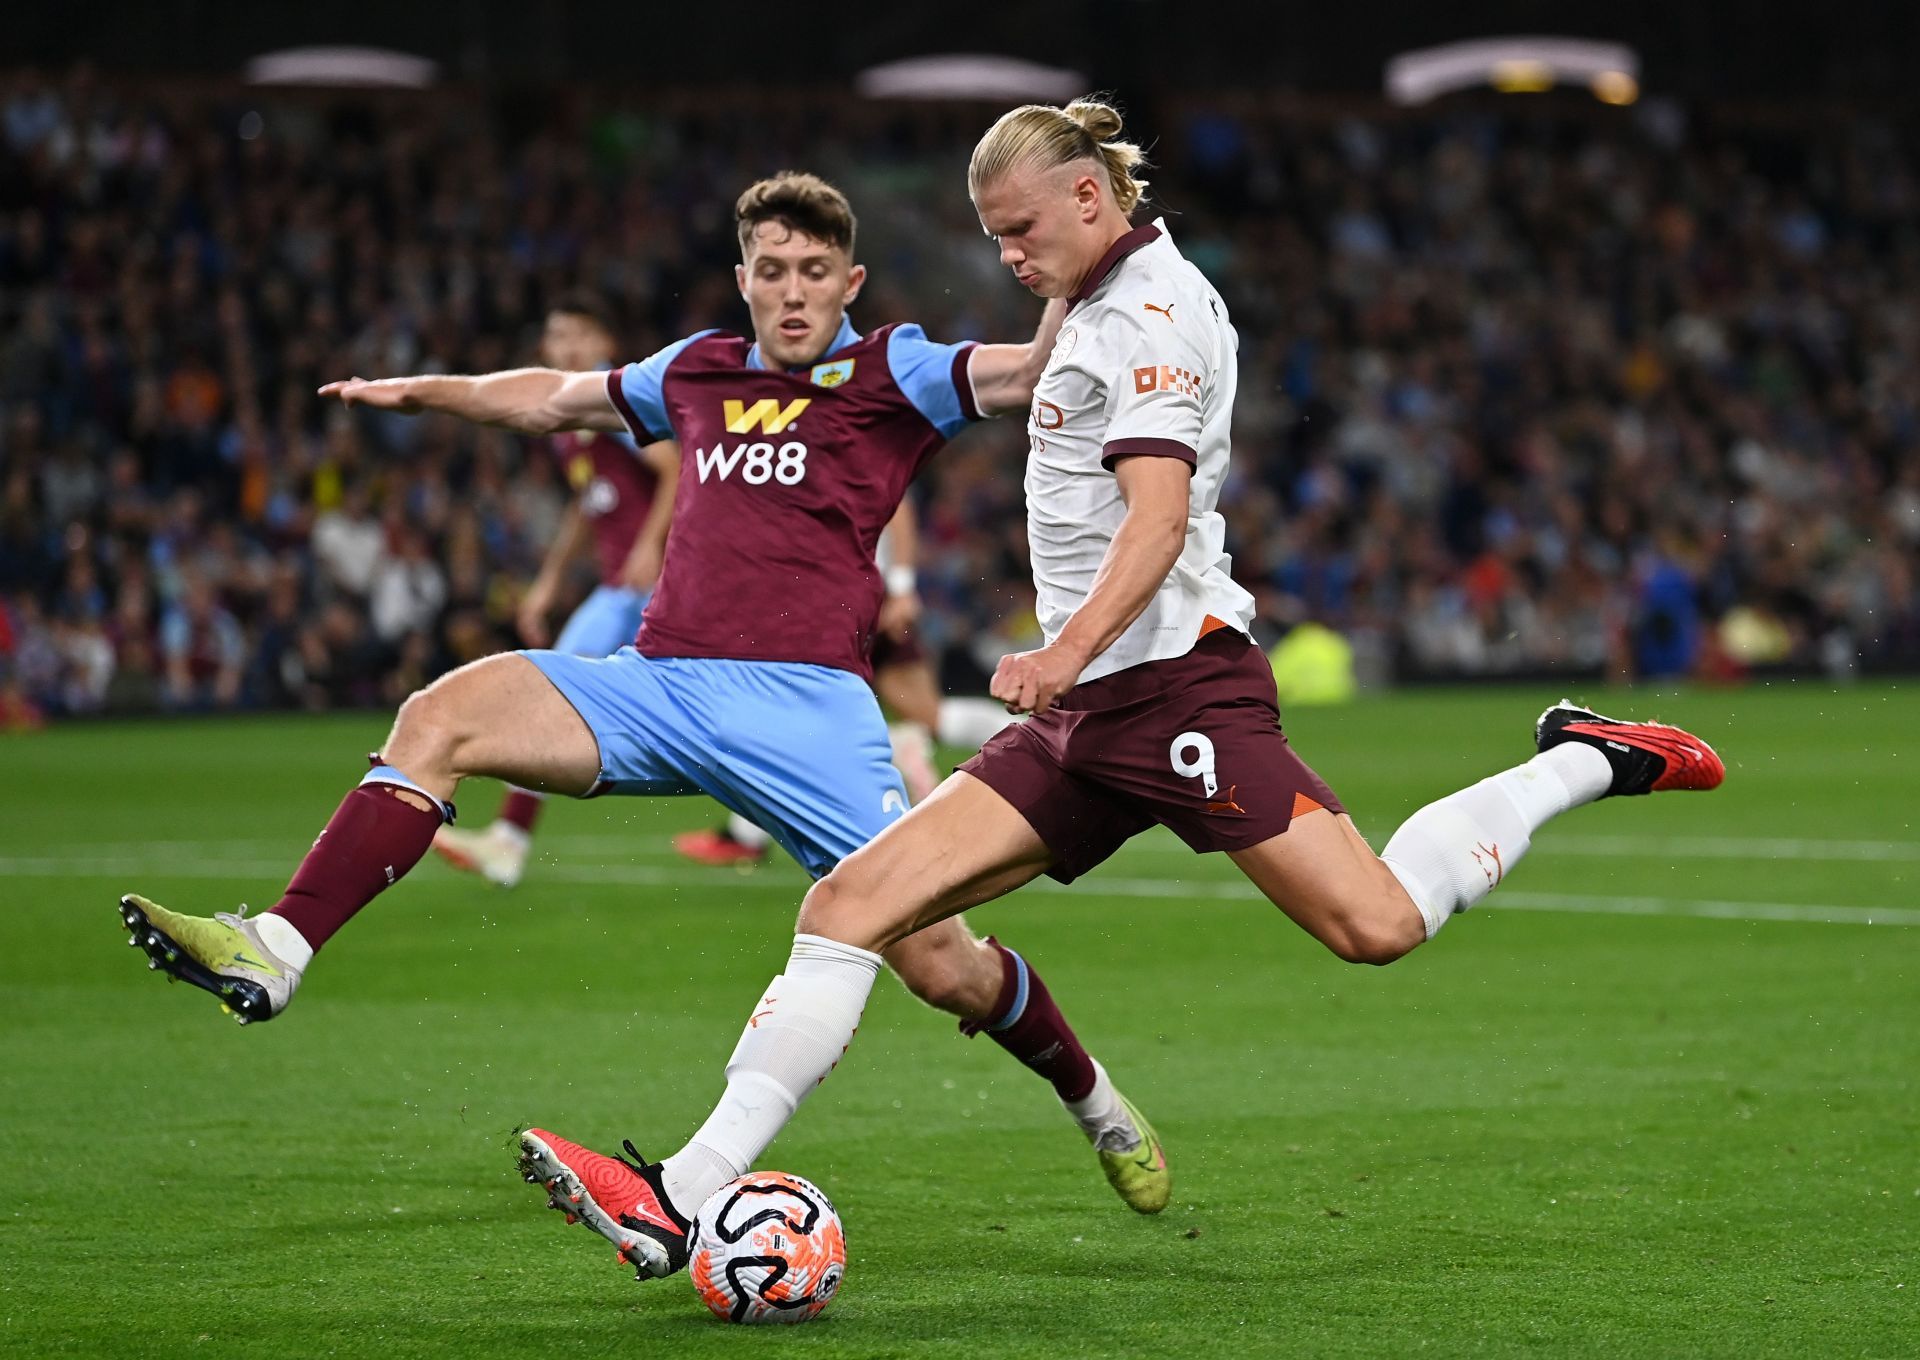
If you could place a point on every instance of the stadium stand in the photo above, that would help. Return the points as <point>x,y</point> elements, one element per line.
<point>1563,389</point>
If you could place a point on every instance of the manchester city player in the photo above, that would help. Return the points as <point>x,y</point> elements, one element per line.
<point>1150,702</point>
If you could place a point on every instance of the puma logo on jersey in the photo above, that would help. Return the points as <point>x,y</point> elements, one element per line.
<point>765,414</point>
<point>1482,854</point>
<point>1226,804</point>
<point>1166,311</point>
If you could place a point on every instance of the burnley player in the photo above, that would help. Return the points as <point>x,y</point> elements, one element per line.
<point>623,501</point>
<point>903,678</point>
<point>748,681</point>
<point>1149,702</point>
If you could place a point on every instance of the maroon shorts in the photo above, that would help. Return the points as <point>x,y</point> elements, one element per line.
<point>904,650</point>
<point>1193,743</point>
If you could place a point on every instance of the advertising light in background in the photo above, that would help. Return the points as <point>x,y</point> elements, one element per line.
<point>1516,65</point>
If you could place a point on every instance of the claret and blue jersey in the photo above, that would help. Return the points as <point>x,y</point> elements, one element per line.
<point>787,478</point>
<point>748,680</point>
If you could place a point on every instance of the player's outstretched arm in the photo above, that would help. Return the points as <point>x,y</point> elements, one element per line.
<point>530,400</point>
<point>1004,375</point>
<point>1138,559</point>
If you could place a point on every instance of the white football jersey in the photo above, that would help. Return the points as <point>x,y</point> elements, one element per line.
<point>1146,363</point>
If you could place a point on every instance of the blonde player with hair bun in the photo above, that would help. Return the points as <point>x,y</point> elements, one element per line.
<point>1044,136</point>
<point>1150,702</point>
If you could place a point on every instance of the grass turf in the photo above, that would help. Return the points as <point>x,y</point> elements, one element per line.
<point>1551,1132</point>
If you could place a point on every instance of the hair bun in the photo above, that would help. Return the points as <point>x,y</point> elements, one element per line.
<point>1102,121</point>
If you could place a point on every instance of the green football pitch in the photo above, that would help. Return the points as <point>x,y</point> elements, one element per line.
<point>1657,1097</point>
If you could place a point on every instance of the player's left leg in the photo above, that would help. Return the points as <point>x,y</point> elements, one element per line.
<point>849,796</point>
<point>606,621</point>
<point>964,846</point>
<point>975,847</point>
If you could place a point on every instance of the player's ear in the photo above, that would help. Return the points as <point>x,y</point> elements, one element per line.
<point>1086,197</point>
<point>856,280</point>
<point>740,278</point>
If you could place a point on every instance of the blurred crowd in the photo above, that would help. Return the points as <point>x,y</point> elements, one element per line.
<point>1525,387</point>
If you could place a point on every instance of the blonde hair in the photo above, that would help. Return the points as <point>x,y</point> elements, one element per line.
<point>1044,136</point>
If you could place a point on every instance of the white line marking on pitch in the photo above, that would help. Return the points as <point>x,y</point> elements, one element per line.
<point>1173,890</point>
<point>1553,843</point>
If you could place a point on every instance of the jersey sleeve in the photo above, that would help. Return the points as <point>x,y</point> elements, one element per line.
<point>637,392</point>
<point>1154,379</point>
<point>934,378</point>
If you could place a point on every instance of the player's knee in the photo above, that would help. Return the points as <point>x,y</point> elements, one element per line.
<point>937,981</point>
<point>424,731</point>
<point>831,909</point>
<point>949,970</point>
<point>1376,936</point>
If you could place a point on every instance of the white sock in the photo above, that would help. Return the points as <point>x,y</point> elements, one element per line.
<point>1453,852</point>
<point>516,836</point>
<point>799,1029</point>
<point>1102,1117</point>
<point>283,940</point>
<point>746,832</point>
<point>972,722</point>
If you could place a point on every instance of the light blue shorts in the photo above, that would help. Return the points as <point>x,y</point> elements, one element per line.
<point>606,621</point>
<point>799,750</point>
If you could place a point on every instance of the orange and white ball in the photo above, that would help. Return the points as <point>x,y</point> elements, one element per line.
<point>767,1247</point>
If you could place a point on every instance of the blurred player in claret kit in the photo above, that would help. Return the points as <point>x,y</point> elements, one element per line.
<point>903,674</point>
<point>623,500</point>
<point>748,681</point>
<point>1150,703</point>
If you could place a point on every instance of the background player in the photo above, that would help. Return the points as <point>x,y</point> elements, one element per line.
<point>623,501</point>
<point>748,681</point>
<point>1150,702</point>
<point>903,676</point>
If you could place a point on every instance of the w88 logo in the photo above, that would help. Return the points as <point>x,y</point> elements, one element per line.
<point>758,463</point>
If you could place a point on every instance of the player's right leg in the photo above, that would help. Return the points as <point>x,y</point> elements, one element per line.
<point>1455,851</point>
<point>606,621</point>
<point>499,716</point>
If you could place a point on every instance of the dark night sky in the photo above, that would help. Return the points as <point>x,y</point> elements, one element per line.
<point>1688,47</point>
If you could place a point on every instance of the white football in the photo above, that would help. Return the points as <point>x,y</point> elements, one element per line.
<point>767,1247</point>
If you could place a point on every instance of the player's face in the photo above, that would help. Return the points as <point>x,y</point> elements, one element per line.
<point>1045,223</point>
<point>798,291</point>
<point>574,343</point>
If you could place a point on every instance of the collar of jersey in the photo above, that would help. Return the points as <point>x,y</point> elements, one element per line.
<point>845,336</point>
<point>1118,251</point>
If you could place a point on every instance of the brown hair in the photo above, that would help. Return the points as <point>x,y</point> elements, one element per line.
<point>1044,136</point>
<point>799,202</point>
